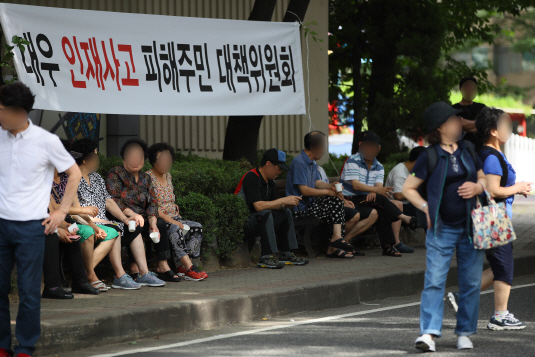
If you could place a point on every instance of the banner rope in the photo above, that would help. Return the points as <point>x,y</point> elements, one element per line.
<point>311,126</point>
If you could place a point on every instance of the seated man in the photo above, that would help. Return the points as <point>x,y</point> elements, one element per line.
<point>270,216</point>
<point>320,199</point>
<point>355,222</point>
<point>362,180</point>
<point>396,178</point>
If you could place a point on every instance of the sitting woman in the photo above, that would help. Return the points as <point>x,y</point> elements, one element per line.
<point>92,192</point>
<point>186,245</point>
<point>89,232</point>
<point>132,190</point>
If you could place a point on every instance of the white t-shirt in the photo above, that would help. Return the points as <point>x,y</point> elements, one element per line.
<point>396,178</point>
<point>27,163</point>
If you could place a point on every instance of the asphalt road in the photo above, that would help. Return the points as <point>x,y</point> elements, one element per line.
<point>378,328</point>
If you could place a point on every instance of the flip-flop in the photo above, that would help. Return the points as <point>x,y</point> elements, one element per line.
<point>340,254</point>
<point>341,244</point>
<point>100,286</point>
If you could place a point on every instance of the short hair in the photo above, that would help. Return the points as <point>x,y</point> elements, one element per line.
<point>415,153</point>
<point>487,120</point>
<point>158,148</point>
<point>313,139</point>
<point>464,79</point>
<point>135,141</point>
<point>17,95</point>
<point>85,147</point>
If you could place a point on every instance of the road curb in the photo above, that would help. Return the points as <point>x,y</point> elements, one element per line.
<point>186,316</point>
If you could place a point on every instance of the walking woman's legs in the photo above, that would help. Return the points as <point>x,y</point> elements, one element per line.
<point>438,258</point>
<point>469,268</point>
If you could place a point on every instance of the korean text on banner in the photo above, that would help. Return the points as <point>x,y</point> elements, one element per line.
<point>119,63</point>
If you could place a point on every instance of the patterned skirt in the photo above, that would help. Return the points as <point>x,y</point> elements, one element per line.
<point>185,245</point>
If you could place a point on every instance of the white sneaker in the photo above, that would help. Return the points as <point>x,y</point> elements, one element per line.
<point>464,343</point>
<point>425,343</point>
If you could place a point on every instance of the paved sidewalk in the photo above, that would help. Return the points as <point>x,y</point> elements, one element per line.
<point>239,295</point>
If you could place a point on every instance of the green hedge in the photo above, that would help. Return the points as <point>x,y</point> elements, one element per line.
<point>204,190</point>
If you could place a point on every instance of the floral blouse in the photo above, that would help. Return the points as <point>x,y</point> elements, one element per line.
<point>58,189</point>
<point>165,195</point>
<point>127,193</point>
<point>94,193</point>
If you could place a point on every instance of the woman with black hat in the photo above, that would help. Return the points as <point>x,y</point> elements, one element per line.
<point>452,176</point>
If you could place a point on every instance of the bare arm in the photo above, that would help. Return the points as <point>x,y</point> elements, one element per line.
<point>315,192</point>
<point>410,191</point>
<point>359,186</point>
<point>496,191</point>
<point>114,209</point>
<point>290,201</point>
<point>57,216</point>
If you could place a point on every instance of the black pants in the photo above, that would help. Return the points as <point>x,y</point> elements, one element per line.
<point>162,248</point>
<point>72,256</point>
<point>410,210</point>
<point>270,224</point>
<point>387,211</point>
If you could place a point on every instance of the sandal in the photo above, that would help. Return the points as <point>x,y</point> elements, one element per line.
<point>168,276</point>
<point>391,251</point>
<point>339,253</point>
<point>100,286</point>
<point>341,244</point>
<point>413,224</point>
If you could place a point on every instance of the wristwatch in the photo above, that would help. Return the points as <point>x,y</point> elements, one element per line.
<point>424,206</point>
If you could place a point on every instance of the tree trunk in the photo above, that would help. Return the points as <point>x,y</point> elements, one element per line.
<point>241,137</point>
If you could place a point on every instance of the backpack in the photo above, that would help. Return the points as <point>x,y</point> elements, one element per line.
<point>239,191</point>
<point>432,160</point>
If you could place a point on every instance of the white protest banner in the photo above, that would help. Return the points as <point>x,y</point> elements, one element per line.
<point>119,63</point>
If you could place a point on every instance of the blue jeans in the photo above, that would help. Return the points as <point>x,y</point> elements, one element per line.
<point>23,242</point>
<point>469,268</point>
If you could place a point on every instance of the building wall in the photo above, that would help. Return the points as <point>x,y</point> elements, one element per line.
<point>205,135</point>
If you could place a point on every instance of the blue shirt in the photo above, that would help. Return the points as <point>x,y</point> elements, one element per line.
<point>356,168</point>
<point>492,166</point>
<point>303,171</point>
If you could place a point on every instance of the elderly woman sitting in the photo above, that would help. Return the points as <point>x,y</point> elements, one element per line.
<point>185,243</point>
<point>132,190</point>
<point>92,193</point>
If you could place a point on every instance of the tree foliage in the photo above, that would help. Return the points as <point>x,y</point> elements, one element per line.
<point>391,59</point>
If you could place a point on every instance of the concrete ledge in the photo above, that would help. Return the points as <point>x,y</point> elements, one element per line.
<point>142,322</point>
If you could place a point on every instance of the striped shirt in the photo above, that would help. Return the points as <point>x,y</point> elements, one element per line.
<point>357,169</point>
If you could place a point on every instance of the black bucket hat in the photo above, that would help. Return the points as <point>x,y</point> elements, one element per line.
<point>437,114</point>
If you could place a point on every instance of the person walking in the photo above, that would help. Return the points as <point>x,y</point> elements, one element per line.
<point>457,175</point>
<point>494,127</point>
<point>28,156</point>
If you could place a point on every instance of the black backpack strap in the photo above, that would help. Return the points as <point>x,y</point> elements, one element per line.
<point>471,149</point>
<point>503,164</point>
<point>432,159</point>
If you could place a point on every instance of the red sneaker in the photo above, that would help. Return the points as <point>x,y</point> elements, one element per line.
<point>4,353</point>
<point>204,275</point>
<point>181,271</point>
<point>192,275</point>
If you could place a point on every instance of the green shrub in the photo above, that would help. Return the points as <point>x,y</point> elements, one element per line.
<point>199,208</point>
<point>232,213</point>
